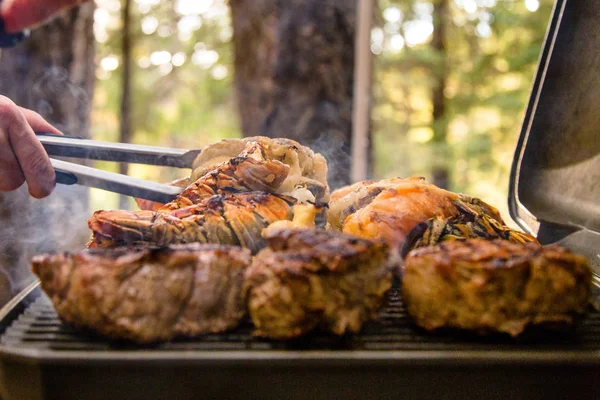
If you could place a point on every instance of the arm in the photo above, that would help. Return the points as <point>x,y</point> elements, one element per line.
<point>22,157</point>
<point>22,14</point>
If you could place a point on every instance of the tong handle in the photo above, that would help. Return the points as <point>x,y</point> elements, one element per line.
<point>77,147</point>
<point>70,174</point>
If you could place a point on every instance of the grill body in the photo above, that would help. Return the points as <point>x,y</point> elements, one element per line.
<point>390,358</point>
<point>553,183</point>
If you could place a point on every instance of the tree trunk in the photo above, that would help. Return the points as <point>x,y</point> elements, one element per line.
<point>126,131</point>
<point>294,65</point>
<point>53,74</point>
<point>440,170</point>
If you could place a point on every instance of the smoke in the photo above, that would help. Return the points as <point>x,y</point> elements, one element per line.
<point>30,227</point>
<point>60,100</point>
<point>334,146</point>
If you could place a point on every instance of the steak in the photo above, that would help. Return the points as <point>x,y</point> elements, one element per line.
<point>495,286</point>
<point>147,295</point>
<point>313,278</point>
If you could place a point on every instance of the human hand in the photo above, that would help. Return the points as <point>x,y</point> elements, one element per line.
<point>22,14</point>
<point>22,156</point>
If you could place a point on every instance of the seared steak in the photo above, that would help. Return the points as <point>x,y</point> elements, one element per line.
<point>147,295</point>
<point>312,278</point>
<point>495,285</point>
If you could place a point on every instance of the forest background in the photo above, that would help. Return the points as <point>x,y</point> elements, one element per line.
<point>450,82</point>
<point>184,95</point>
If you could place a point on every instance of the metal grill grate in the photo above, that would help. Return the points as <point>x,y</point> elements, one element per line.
<point>39,327</point>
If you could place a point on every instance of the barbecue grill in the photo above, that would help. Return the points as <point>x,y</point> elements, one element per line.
<point>554,194</point>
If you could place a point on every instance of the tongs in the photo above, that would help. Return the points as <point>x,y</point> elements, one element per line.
<point>68,173</point>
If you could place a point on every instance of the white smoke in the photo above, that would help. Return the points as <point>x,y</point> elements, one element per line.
<point>30,227</point>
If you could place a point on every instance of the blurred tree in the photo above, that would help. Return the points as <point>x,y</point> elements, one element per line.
<point>441,15</point>
<point>53,74</point>
<point>294,65</point>
<point>126,117</point>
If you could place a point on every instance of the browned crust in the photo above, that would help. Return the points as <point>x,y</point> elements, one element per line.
<point>147,295</point>
<point>495,286</point>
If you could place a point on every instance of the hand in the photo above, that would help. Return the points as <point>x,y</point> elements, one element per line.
<point>23,14</point>
<point>22,156</point>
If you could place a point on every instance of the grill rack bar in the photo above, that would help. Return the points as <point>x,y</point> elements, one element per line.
<point>38,327</point>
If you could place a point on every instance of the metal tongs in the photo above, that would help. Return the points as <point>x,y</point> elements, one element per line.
<point>68,173</point>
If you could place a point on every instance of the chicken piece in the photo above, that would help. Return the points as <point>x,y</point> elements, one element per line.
<point>148,295</point>
<point>495,286</point>
<point>390,209</point>
<point>313,278</point>
<point>235,219</point>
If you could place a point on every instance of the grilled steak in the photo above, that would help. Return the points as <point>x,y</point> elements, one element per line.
<point>147,295</point>
<point>494,285</point>
<point>312,278</point>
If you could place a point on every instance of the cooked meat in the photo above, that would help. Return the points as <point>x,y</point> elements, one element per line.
<point>149,205</point>
<point>468,224</point>
<point>238,188</point>
<point>148,295</point>
<point>390,209</point>
<point>306,178</point>
<point>235,219</point>
<point>497,285</point>
<point>312,278</point>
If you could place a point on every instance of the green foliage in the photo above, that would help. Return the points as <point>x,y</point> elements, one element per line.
<point>492,53</point>
<point>182,79</point>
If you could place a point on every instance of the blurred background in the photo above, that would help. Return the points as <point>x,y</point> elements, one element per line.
<point>450,83</point>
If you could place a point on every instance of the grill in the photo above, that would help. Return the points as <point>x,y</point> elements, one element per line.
<point>43,358</point>
<point>38,327</point>
<point>557,200</point>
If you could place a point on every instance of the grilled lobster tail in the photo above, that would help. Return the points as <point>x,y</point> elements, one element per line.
<point>236,219</point>
<point>238,187</point>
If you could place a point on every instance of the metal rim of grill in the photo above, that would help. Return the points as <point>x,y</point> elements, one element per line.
<point>36,331</point>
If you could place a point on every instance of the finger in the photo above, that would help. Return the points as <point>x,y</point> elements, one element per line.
<point>11,176</point>
<point>22,14</point>
<point>38,123</point>
<point>30,154</point>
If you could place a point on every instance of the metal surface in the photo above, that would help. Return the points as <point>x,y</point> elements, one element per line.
<point>70,174</point>
<point>68,146</point>
<point>36,346</point>
<point>555,178</point>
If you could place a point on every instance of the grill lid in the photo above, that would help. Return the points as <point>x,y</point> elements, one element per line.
<point>555,177</point>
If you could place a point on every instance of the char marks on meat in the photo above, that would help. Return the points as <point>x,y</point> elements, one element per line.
<point>495,286</point>
<point>238,187</point>
<point>148,295</point>
<point>237,219</point>
<point>313,278</point>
